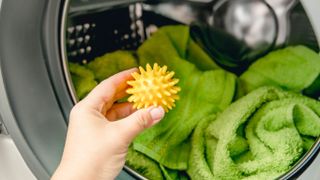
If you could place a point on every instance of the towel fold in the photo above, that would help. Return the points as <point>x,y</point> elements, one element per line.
<point>259,136</point>
<point>202,94</point>
<point>144,165</point>
<point>293,68</point>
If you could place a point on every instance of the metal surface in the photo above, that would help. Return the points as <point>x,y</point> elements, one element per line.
<point>235,33</point>
<point>282,9</point>
<point>238,32</point>
<point>63,50</point>
<point>88,5</point>
<point>251,21</point>
<point>312,9</point>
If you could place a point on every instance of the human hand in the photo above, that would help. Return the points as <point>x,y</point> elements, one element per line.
<point>100,131</point>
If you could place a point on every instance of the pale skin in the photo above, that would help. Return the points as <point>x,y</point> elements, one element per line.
<point>100,131</point>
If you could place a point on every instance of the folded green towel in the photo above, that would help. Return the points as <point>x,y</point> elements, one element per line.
<point>82,78</point>
<point>200,161</point>
<point>260,136</point>
<point>112,63</point>
<point>291,68</point>
<point>202,94</point>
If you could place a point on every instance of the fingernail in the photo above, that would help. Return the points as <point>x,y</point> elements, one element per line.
<point>157,113</point>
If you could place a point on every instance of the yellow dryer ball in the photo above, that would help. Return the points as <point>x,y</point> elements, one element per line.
<point>153,87</point>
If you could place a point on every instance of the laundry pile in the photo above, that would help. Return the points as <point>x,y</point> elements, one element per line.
<point>252,126</point>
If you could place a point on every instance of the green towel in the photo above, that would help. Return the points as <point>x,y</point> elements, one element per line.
<point>174,41</point>
<point>144,165</point>
<point>85,77</point>
<point>292,68</point>
<point>170,174</point>
<point>199,160</point>
<point>112,63</point>
<point>202,94</point>
<point>82,78</point>
<point>260,136</point>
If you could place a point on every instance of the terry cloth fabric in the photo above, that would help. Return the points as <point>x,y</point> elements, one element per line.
<point>260,136</point>
<point>202,93</point>
<point>112,63</point>
<point>144,165</point>
<point>82,78</point>
<point>292,68</point>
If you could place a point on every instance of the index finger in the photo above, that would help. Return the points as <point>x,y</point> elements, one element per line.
<point>103,95</point>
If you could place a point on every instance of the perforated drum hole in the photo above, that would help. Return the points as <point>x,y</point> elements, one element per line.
<point>81,51</point>
<point>79,41</point>
<point>70,30</point>
<point>86,38</point>
<point>84,61</point>
<point>88,49</point>
<point>86,27</point>
<point>71,43</point>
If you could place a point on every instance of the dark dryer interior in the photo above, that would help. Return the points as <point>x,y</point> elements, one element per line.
<point>106,27</point>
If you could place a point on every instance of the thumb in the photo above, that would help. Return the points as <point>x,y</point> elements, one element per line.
<point>134,124</point>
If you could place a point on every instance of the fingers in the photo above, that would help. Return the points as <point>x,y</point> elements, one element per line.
<point>103,96</point>
<point>119,111</point>
<point>134,124</point>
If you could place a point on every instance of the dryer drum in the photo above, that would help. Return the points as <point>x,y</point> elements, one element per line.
<point>125,26</point>
<point>40,37</point>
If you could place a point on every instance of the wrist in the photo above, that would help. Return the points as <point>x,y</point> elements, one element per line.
<point>66,171</point>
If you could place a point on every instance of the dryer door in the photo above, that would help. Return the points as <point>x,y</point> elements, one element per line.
<point>32,112</point>
<point>35,101</point>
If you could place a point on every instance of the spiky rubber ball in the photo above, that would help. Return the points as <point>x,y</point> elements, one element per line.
<point>153,87</point>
